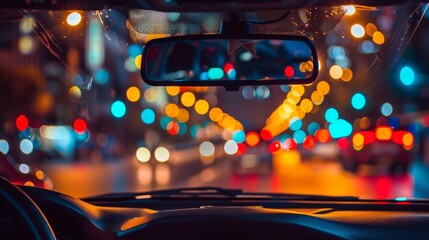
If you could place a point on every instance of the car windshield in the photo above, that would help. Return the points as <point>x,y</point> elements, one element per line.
<point>76,116</point>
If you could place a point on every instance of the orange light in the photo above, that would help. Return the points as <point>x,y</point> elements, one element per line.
<point>323,136</point>
<point>252,139</point>
<point>358,141</point>
<point>408,140</point>
<point>383,133</point>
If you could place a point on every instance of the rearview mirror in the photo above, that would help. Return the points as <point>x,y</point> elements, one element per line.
<point>229,61</point>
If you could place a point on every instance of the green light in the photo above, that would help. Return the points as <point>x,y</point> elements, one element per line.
<point>215,73</point>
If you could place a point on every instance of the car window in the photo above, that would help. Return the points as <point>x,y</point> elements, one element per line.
<point>74,107</point>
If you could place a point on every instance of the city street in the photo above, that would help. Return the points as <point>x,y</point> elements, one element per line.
<point>307,177</point>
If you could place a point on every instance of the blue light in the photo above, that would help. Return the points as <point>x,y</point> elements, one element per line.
<point>312,128</point>
<point>232,73</point>
<point>284,137</point>
<point>26,146</point>
<point>386,109</point>
<point>118,109</point>
<point>394,122</point>
<point>331,115</point>
<point>204,76</point>
<point>148,116</point>
<point>340,128</point>
<point>299,136</point>
<point>102,76</point>
<point>239,136</point>
<point>295,124</point>
<point>358,101</point>
<point>182,128</point>
<point>367,47</point>
<point>215,73</point>
<point>194,130</point>
<point>401,199</point>
<point>165,121</point>
<point>407,76</point>
<point>285,88</point>
<point>134,50</point>
<point>4,146</point>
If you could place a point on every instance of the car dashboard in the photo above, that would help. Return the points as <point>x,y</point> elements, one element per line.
<point>212,218</point>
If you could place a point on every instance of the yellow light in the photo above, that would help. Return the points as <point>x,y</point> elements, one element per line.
<point>378,37</point>
<point>323,87</point>
<point>188,99</point>
<point>347,75</point>
<point>172,90</point>
<point>370,29</point>
<point>202,107</point>
<point>75,93</point>
<point>358,141</point>
<point>40,175</point>
<point>350,10</point>
<point>317,98</point>
<point>306,105</point>
<point>133,94</point>
<point>228,122</point>
<point>183,115</point>
<point>383,133</point>
<point>297,90</point>
<point>26,45</point>
<point>143,154</point>
<point>357,31</point>
<point>215,114</point>
<point>138,61</point>
<point>172,110</point>
<point>336,72</point>
<point>74,18</point>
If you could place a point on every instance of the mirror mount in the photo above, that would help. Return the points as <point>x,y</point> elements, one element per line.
<point>234,26</point>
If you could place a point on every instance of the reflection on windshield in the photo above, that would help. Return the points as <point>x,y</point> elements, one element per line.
<point>74,105</point>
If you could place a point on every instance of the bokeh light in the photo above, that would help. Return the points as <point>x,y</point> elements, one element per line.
<point>143,154</point>
<point>133,94</point>
<point>207,149</point>
<point>331,115</point>
<point>147,116</point>
<point>74,18</point>
<point>386,109</point>
<point>26,146</point>
<point>358,101</point>
<point>407,75</point>
<point>4,146</point>
<point>230,147</point>
<point>118,109</point>
<point>21,123</point>
<point>162,154</point>
<point>357,31</point>
<point>187,99</point>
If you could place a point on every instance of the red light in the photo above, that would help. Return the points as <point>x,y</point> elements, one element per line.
<point>290,144</point>
<point>309,142</point>
<point>343,143</point>
<point>323,136</point>
<point>228,66</point>
<point>21,123</point>
<point>266,134</point>
<point>275,147</point>
<point>289,72</point>
<point>173,128</point>
<point>398,136</point>
<point>79,126</point>
<point>241,148</point>
<point>382,121</point>
<point>368,136</point>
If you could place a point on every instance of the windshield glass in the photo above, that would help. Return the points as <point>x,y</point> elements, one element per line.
<point>76,116</point>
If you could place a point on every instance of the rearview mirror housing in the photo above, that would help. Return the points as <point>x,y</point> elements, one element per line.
<point>229,60</point>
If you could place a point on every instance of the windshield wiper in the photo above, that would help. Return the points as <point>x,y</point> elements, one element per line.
<point>212,193</point>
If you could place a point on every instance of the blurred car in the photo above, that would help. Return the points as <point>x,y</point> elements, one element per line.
<point>383,151</point>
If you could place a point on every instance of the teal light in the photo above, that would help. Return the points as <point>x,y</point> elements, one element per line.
<point>4,146</point>
<point>165,121</point>
<point>134,50</point>
<point>239,136</point>
<point>407,75</point>
<point>386,109</point>
<point>194,130</point>
<point>331,115</point>
<point>102,76</point>
<point>358,101</point>
<point>340,128</point>
<point>118,109</point>
<point>215,73</point>
<point>401,199</point>
<point>148,116</point>
<point>312,128</point>
<point>299,136</point>
<point>284,137</point>
<point>183,128</point>
<point>295,124</point>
